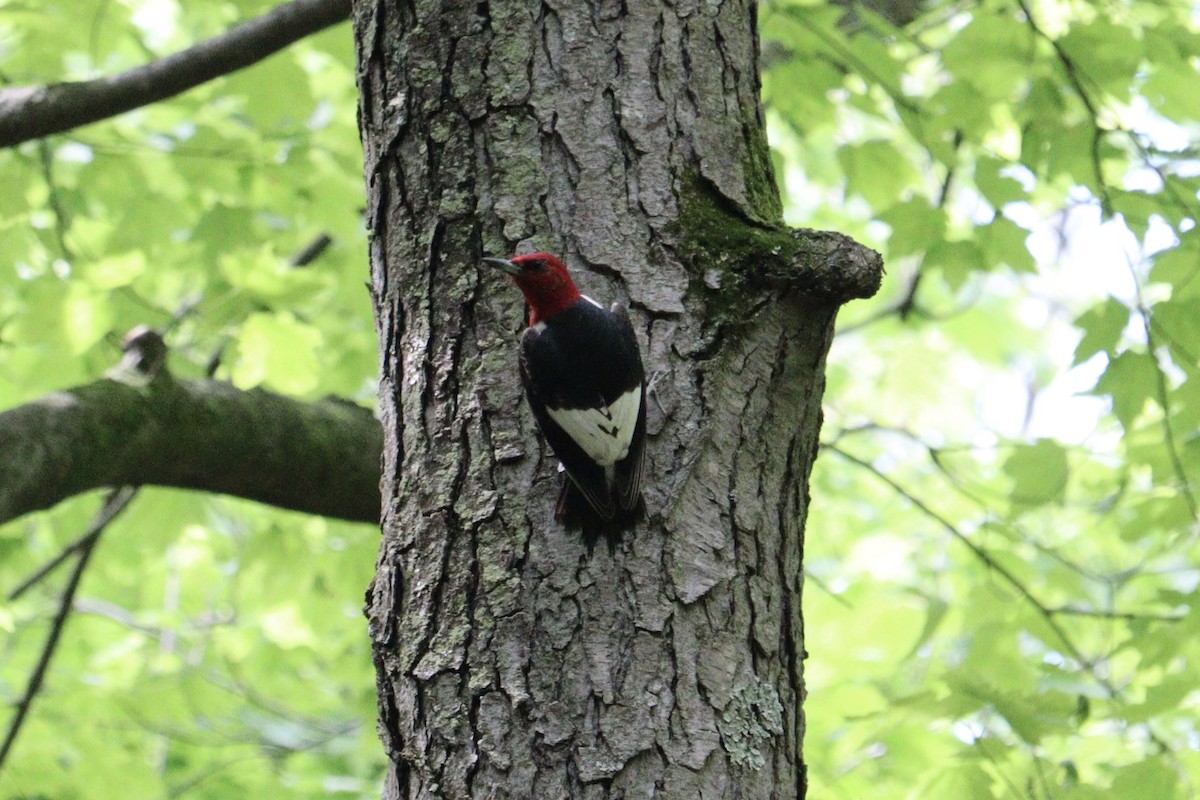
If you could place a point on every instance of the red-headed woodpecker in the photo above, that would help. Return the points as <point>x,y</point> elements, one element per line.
<point>584,379</point>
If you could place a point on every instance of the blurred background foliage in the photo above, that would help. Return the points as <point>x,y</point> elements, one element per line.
<point>1002,567</point>
<point>217,648</point>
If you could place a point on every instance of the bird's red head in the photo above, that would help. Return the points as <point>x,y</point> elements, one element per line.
<point>544,281</point>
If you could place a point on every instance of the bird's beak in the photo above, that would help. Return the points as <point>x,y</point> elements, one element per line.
<point>504,264</point>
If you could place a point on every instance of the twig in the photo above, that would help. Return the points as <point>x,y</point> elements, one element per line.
<point>859,66</point>
<point>827,589</point>
<point>116,501</point>
<point>992,564</point>
<point>960,486</point>
<point>61,221</point>
<point>44,570</point>
<point>1162,391</point>
<point>1129,616</point>
<point>1163,399</point>
<point>311,251</point>
<point>126,618</point>
<point>1074,78</point>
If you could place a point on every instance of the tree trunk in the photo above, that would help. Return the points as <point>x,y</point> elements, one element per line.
<point>628,140</point>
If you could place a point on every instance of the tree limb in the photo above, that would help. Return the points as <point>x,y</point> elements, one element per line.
<point>30,112</point>
<point>322,457</point>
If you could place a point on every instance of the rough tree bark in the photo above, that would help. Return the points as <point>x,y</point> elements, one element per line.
<point>628,139</point>
<point>320,457</point>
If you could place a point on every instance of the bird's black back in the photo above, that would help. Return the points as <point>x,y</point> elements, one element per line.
<point>586,357</point>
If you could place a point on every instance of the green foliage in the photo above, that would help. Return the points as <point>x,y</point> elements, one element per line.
<point>1001,583</point>
<point>1002,544</point>
<point>217,648</point>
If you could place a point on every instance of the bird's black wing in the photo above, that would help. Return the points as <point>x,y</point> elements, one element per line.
<point>584,379</point>
<point>627,477</point>
<point>543,392</point>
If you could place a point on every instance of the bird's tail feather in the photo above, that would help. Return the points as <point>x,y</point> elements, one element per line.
<point>576,513</point>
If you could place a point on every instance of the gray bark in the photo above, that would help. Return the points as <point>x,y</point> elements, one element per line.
<point>628,140</point>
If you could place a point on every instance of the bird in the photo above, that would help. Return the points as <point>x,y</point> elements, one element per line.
<point>582,372</point>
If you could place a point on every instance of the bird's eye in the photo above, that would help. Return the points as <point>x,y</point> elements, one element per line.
<point>534,265</point>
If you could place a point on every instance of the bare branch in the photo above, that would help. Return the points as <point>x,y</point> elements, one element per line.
<point>117,500</point>
<point>39,574</point>
<point>1100,613</point>
<point>30,112</point>
<point>1163,398</point>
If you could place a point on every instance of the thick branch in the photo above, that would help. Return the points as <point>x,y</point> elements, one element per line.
<point>30,112</point>
<point>729,250</point>
<point>322,458</point>
<point>830,265</point>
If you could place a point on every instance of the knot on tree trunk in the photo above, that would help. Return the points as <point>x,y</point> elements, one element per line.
<point>737,257</point>
<point>826,265</point>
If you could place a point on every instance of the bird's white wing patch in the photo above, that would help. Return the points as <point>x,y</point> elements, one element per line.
<point>604,433</point>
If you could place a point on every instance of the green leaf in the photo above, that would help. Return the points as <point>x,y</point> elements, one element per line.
<point>87,317</point>
<point>1150,779</point>
<point>798,90</point>
<point>117,270</point>
<point>991,54</point>
<point>1179,267</point>
<point>265,275</point>
<point>1035,716</point>
<point>285,626</point>
<point>1109,54</point>
<point>1172,78</point>
<point>1130,381</point>
<point>957,261</point>
<point>219,226</point>
<point>1102,325</point>
<point>1179,320</point>
<point>916,226</point>
<point>955,110</point>
<point>958,781</point>
<point>275,93</point>
<point>876,170</point>
<point>278,350</point>
<point>1138,209</point>
<point>1155,514</point>
<point>1003,242</point>
<point>1074,152</point>
<point>997,188</point>
<point>1039,472</point>
<point>1168,695</point>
